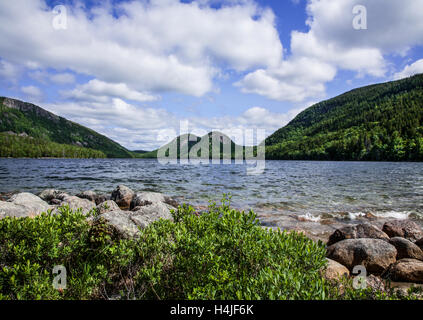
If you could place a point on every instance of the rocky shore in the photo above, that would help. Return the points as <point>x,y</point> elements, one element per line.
<point>392,254</point>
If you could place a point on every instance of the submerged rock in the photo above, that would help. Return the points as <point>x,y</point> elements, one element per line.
<point>375,254</point>
<point>404,229</point>
<point>123,196</point>
<point>406,249</point>
<point>23,205</point>
<point>360,231</point>
<point>406,270</point>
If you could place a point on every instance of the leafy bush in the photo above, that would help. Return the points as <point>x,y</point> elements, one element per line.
<point>219,254</point>
<point>225,254</point>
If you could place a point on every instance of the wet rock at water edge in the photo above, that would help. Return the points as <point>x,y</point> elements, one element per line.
<point>360,231</point>
<point>375,254</point>
<point>404,229</point>
<point>123,196</point>
<point>89,195</point>
<point>93,196</point>
<point>50,194</point>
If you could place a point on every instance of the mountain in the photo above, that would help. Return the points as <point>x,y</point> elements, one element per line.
<point>55,135</point>
<point>377,122</point>
<point>187,145</point>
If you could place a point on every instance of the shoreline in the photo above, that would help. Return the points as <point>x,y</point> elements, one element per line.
<point>315,229</point>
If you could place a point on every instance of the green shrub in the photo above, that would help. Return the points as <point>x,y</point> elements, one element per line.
<point>30,248</point>
<point>225,254</point>
<point>219,254</point>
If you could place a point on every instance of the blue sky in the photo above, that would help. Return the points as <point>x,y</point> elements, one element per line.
<point>133,70</point>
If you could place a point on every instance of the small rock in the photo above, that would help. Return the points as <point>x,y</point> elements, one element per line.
<point>89,195</point>
<point>49,194</point>
<point>123,196</point>
<point>107,206</point>
<point>360,231</point>
<point>406,249</point>
<point>419,243</point>
<point>375,254</point>
<point>406,270</point>
<point>335,270</point>
<point>23,205</point>
<point>120,222</point>
<point>145,215</point>
<point>101,198</point>
<point>146,198</point>
<point>76,203</point>
<point>375,283</point>
<point>404,229</point>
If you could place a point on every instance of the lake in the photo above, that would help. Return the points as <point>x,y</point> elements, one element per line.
<point>303,191</point>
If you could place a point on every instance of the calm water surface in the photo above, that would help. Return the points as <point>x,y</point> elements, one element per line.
<point>312,190</point>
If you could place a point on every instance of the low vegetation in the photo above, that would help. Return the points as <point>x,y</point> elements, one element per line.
<point>219,254</point>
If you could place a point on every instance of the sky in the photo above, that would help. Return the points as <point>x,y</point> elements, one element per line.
<point>144,71</point>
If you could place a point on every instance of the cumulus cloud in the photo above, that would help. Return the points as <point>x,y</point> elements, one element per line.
<point>63,78</point>
<point>9,72</point>
<point>294,80</point>
<point>32,92</point>
<point>410,70</point>
<point>96,90</point>
<point>332,44</point>
<point>148,128</point>
<point>155,46</point>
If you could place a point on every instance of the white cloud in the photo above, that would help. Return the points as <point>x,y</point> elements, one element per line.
<point>148,128</point>
<point>410,70</point>
<point>63,78</point>
<point>32,92</point>
<point>294,80</point>
<point>96,90</point>
<point>9,72</point>
<point>332,44</point>
<point>393,26</point>
<point>153,46</point>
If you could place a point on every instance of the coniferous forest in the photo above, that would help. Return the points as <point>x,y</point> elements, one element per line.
<point>378,122</point>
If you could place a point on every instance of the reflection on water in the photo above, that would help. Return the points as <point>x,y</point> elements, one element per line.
<point>309,190</point>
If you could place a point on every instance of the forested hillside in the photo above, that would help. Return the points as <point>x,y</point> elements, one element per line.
<point>28,119</point>
<point>378,122</point>
<point>15,146</point>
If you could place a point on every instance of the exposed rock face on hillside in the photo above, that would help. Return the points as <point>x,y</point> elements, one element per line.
<point>29,107</point>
